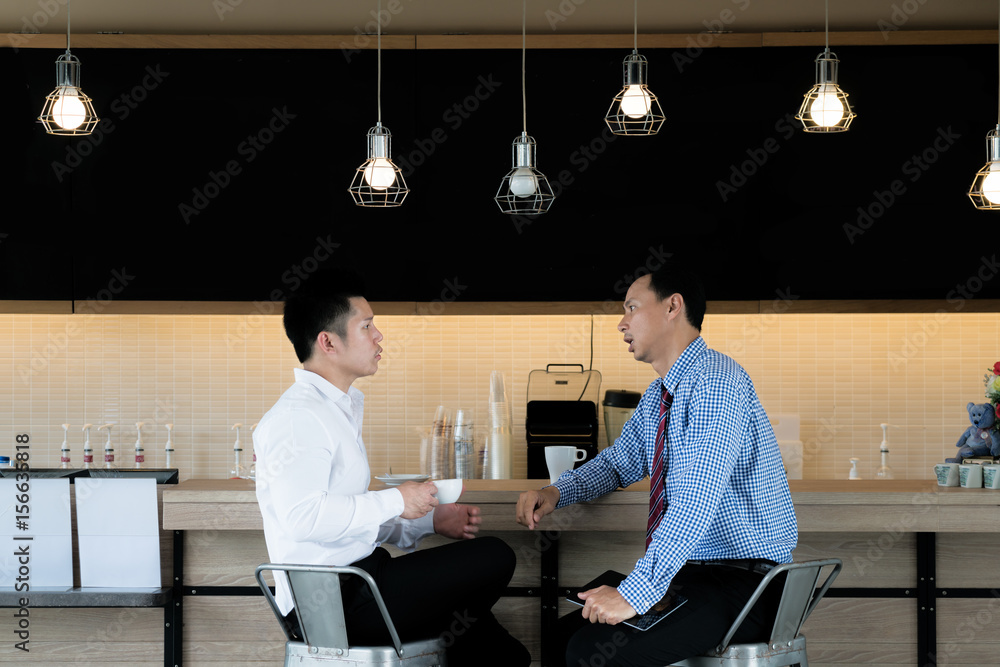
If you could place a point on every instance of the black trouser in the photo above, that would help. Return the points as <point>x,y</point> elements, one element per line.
<point>447,592</point>
<point>715,593</point>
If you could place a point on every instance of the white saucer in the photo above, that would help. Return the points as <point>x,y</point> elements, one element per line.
<point>396,480</point>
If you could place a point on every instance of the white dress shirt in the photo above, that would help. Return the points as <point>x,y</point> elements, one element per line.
<point>312,483</point>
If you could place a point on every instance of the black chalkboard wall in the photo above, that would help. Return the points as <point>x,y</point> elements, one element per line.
<point>223,175</point>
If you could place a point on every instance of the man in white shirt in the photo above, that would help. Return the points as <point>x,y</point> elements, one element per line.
<point>312,488</point>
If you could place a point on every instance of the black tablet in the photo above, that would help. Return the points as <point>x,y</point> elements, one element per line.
<point>657,613</point>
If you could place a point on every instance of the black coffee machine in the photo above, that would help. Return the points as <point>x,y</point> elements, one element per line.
<point>562,410</point>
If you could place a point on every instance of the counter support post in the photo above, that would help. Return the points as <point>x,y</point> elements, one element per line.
<point>173,621</point>
<point>550,600</point>
<point>926,601</point>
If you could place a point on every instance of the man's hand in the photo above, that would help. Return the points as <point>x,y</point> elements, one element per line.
<point>418,499</point>
<point>605,604</point>
<point>459,522</point>
<point>533,505</point>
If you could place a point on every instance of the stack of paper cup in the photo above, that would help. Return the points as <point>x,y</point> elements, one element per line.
<point>465,445</point>
<point>498,458</point>
<point>442,458</point>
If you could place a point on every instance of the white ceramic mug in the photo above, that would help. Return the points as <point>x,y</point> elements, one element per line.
<point>991,476</point>
<point>970,476</point>
<point>947,474</point>
<point>560,458</point>
<point>448,490</point>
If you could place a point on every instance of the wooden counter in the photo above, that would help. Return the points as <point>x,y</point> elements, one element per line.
<point>920,566</point>
<point>820,505</point>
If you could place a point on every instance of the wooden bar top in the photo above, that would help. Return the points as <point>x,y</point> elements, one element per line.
<point>820,505</point>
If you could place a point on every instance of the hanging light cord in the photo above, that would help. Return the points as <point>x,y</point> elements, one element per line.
<point>635,28</point>
<point>379,95</point>
<point>69,7</point>
<point>524,87</point>
<point>827,25</point>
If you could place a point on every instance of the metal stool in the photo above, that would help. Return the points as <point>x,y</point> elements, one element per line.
<point>786,645</point>
<point>320,609</point>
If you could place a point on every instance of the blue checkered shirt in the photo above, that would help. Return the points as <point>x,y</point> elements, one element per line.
<point>726,489</point>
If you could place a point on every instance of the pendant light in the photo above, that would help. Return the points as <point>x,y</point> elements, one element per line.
<point>67,110</point>
<point>985,190</point>
<point>635,111</point>
<point>524,190</point>
<point>825,107</point>
<point>378,182</point>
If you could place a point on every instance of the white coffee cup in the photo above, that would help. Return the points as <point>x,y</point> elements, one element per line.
<point>560,458</point>
<point>448,490</point>
<point>947,474</point>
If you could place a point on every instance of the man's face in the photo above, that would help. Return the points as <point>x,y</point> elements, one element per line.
<point>644,324</point>
<point>360,352</point>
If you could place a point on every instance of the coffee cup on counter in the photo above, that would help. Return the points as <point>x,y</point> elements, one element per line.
<point>991,476</point>
<point>970,476</point>
<point>560,458</point>
<point>947,474</point>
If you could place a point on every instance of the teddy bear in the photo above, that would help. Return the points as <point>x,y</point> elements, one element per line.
<point>980,439</point>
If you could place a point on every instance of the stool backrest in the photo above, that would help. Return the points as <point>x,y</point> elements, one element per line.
<point>319,606</point>
<point>799,597</point>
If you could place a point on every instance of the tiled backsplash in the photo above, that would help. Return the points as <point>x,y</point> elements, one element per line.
<point>843,374</point>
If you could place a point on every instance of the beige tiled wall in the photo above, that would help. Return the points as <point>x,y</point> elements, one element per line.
<point>843,374</point>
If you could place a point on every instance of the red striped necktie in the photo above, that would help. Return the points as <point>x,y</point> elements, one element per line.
<point>657,478</point>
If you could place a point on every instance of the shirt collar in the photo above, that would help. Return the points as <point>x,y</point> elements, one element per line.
<point>688,357</point>
<point>327,388</point>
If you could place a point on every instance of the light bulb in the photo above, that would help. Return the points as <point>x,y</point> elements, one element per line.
<point>636,101</point>
<point>68,111</point>
<point>991,184</point>
<point>523,182</point>
<point>827,110</point>
<point>379,173</point>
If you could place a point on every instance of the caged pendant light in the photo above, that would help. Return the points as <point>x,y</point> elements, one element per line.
<point>524,190</point>
<point>825,107</point>
<point>378,182</point>
<point>985,190</point>
<point>67,110</point>
<point>635,111</point>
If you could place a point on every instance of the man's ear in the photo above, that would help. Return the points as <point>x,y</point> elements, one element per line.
<point>326,343</point>
<point>675,306</point>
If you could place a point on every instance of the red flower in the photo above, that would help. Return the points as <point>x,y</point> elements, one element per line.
<point>996,368</point>
<point>998,410</point>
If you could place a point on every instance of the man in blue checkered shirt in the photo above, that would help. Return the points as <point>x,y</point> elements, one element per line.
<point>722,515</point>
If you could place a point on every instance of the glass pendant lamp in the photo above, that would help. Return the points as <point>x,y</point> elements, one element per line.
<point>67,110</point>
<point>378,182</point>
<point>524,190</point>
<point>985,190</point>
<point>825,107</point>
<point>635,111</point>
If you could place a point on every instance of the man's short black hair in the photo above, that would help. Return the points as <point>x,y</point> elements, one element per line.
<point>320,307</point>
<point>672,278</point>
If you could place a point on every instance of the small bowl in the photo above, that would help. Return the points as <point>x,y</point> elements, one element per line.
<point>448,490</point>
